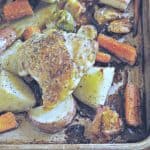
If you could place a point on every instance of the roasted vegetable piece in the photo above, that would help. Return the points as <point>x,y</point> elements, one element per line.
<point>7,122</point>
<point>88,31</point>
<point>93,87</point>
<point>55,119</point>
<point>106,14</point>
<point>75,7</point>
<point>17,9</point>
<point>15,95</point>
<point>103,57</point>
<point>94,129</point>
<point>120,4</point>
<point>40,18</point>
<point>123,51</point>
<point>30,31</point>
<point>106,122</point>
<point>7,37</point>
<point>132,105</point>
<point>111,123</point>
<point>65,21</point>
<point>8,59</point>
<point>121,26</point>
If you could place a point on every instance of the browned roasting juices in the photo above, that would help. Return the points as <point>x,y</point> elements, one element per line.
<point>65,70</point>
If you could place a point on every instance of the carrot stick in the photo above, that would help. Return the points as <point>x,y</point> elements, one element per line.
<point>29,31</point>
<point>7,122</point>
<point>103,57</point>
<point>132,105</point>
<point>7,37</point>
<point>17,9</point>
<point>123,51</point>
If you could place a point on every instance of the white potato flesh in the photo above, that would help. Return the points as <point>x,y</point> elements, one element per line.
<point>8,59</point>
<point>94,86</point>
<point>55,119</point>
<point>15,95</point>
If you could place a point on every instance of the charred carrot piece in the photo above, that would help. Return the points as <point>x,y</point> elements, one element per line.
<point>132,105</point>
<point>30,31</point>
<point>7,37</point>
<point>17,9</point>
<point>7,122</point>
<point>123,51</point>
<point>103,57</point>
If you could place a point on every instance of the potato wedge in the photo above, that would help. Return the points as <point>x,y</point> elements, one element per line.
<point>55,119</point>
<point>9,58</point>
<point>93,87</point>
<point>15,96</point>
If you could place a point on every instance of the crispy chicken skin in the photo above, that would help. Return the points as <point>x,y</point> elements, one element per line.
<point>57,61</point>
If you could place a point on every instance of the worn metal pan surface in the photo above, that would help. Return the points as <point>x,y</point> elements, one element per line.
<point>27,137</point>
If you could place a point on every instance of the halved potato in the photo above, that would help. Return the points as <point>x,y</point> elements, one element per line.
<point>93,87</point>
<point>8,59</point>
<point>55,119</point>
<point>15,95</point>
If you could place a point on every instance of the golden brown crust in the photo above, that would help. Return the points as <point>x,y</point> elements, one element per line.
<point>48,63</point>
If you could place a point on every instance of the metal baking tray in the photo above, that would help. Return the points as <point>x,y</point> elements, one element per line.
<point>27,137</point>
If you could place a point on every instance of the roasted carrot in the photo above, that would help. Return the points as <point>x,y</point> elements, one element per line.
<point>132,105</point>
<point>7,122</point>
<point>17,9</point>
<point>7,37</point>
<point>123,51</point>
<point>103,57</point>
<point>29,31</point>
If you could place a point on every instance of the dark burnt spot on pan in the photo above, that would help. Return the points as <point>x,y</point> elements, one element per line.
<point>33,3</point>
<point>35,88</point>
<point>131,134</point>
<point>75,135</point>
<point>85,111</point>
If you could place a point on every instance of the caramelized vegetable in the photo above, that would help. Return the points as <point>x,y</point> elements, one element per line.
<point>106,14</point>
<point>29,31</point>
<point>40,18</point>
<point>106,122</point>
<point>75,7</point>
<point>17,9</point>
<point>7,122</point>
<point>111,122</point>
<point>103,57</point>
<point>120,4</point>
<point>7,37</point>
<point>123,51</point>
<point>132,105</point>
<point>95,128</point>
<point>121,26</point>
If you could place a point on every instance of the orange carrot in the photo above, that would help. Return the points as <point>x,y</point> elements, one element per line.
<point>123,51</point>
<point>132,105</point>
<point>17,9</point>
<point>7,122</point>
<point>30,31</point>
<point>103,57</point>
<point>7,37</point>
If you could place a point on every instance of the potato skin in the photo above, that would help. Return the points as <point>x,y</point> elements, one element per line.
<point>56,126</point>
